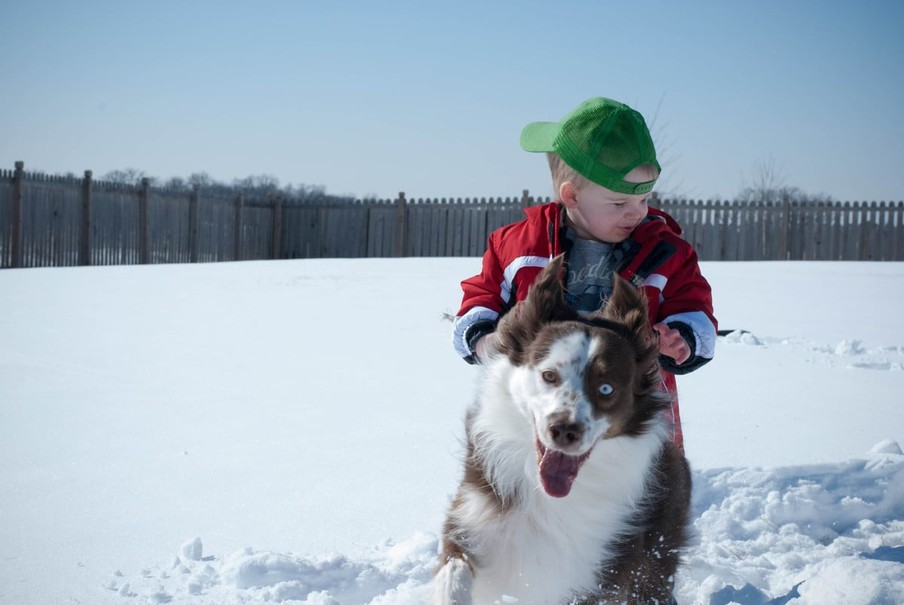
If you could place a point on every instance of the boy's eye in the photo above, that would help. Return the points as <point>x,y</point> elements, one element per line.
<point>640,203</point>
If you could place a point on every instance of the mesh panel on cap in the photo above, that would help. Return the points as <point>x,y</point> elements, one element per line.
<point>620,151</point>
<point>608,137</point>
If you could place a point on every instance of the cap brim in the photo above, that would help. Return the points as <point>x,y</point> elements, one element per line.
<point>539,136</point>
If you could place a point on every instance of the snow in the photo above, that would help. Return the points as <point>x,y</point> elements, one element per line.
<point>290,432</point>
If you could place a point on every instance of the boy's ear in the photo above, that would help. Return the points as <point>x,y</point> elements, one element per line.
<point>568,194</point>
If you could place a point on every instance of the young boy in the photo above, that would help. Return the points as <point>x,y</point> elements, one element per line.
<point>604,166</point>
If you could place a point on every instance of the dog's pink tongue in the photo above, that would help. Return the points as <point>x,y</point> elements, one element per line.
<point>557,472</point>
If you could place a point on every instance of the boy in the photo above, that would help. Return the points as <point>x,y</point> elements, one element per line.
<point>603,165</point>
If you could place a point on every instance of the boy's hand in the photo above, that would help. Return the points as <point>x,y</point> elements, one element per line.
<point>672,344</point>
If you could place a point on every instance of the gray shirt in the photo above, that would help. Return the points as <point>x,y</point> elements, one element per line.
<point>589,281</point>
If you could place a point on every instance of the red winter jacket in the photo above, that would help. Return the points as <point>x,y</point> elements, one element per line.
<point>656,259</point>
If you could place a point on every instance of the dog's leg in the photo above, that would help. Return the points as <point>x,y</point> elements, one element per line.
<point>645,569</point>
<point>452,583</point>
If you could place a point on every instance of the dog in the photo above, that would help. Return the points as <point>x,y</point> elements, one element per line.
<point>573,492</point>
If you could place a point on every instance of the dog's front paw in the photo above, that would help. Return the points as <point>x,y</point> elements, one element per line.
<point>452,584</point>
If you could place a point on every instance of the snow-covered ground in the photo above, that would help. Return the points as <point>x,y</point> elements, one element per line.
<point>289,432</point>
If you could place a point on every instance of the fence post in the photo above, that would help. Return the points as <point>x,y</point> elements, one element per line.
<point>898,251</point>
<point>193,219</point>
<point>867,231</point>
<point>16,244</point>
<point>237,235</point>
<point>277,226</point>
<point>84,242</point>
<point>784,252</point>
<point>144,251</point>
<point>525,199</point>
<point>401,224</point>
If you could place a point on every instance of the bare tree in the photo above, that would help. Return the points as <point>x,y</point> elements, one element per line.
<point>265,183</point>
<point>128,176</point>
<point>259,186</point>
<point>177,183</point>
<point>769,185</point>
<point>667,186</point>
<point>306,193</point>
<point>201,179</point>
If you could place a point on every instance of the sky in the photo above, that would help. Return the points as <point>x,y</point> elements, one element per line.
<point>373,98</point>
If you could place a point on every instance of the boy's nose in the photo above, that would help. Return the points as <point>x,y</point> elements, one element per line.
<point>634,211</point>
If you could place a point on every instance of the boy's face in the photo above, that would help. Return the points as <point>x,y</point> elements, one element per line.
<point>595,212</point>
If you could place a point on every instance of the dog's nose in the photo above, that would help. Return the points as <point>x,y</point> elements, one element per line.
<point>565,434</point>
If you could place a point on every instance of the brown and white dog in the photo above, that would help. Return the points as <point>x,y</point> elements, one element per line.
<point>573,491</point>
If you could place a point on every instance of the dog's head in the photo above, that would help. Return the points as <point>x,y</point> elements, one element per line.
<point>580,378</point>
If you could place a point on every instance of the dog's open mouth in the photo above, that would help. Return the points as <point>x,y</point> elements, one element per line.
<point>558,470</point>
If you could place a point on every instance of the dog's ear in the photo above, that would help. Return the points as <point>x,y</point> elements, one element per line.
<point>544,304</point>
<point>545,301</point>
<point>627,305</point>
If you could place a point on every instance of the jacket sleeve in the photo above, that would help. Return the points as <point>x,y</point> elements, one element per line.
<point>687,306</point>
<point>481,304</point>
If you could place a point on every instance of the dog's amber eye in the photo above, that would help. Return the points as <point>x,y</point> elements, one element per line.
<point>550,377</point>
<point>606,389</point>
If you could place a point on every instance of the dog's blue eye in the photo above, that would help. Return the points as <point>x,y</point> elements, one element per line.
<point>550,377</point>
<point>606,389</point>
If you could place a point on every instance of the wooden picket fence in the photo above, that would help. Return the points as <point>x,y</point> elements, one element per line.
<point>48,221</point>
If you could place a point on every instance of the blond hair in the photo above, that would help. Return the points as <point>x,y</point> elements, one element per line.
<point>563,173</point>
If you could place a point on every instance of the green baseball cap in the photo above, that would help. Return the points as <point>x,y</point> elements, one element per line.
<point>603,140</point>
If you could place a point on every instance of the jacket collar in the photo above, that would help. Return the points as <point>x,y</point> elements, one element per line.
<point>644,251</point>
<point>551,217</point>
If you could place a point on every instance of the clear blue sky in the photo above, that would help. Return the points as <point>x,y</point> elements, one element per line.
<point>372,98</point>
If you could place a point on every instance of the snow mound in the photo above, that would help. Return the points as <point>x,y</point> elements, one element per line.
<point>887,446</point>
<point>803,535</point>
<point>396,573</point>
<point>831,533</point>
<point>849,348</point>
<point>854,582</point>
<point>192,550</point>
<point>742,337</point>
<point>850,354</point>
